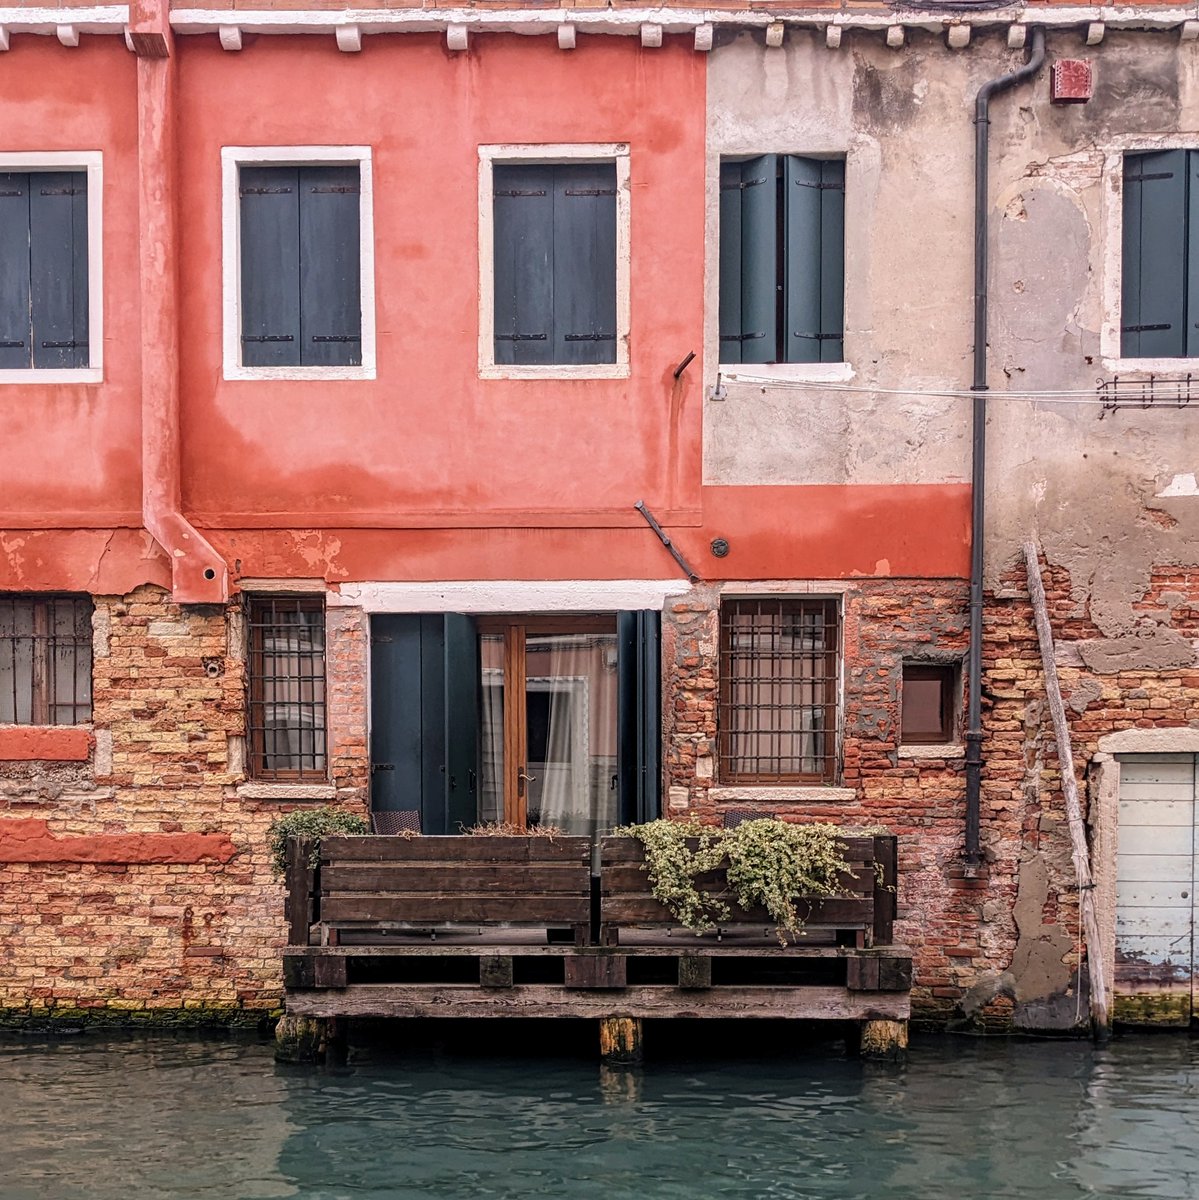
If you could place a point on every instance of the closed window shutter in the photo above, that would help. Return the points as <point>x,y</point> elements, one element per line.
<point>330,272</point>
<point>1192,255</point>
<point>1153,314</point>
<point>524,263</point>
<point>585,263</point>
<point>730,262</point>
<point>759,259</point>
<point>270,266</point>
<point>639,714</point>
<point>16,331</point>
<point>58,268</point>
<point>802,189</point>
<point>832,260</point>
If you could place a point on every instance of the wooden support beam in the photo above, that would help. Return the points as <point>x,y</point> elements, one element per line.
<point>596,971</point>
<point>495,971</point>
<point>620,1041</point>
<point>1065,756</point>
<point>297,906</point>
<point>695,972</point>
<point>302,1039</point>
<point>887,1040</point>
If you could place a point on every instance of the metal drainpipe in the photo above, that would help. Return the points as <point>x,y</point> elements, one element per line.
<point>982,141</point>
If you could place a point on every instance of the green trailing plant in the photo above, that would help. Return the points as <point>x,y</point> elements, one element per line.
<point>768,864</point>
<point>312,824</point>
<point>508,829</point>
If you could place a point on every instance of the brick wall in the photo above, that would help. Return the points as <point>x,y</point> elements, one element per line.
<point>197,930</point>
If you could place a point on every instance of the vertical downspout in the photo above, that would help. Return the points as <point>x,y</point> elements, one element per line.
<point>198,573</point>
<point>978,467</point>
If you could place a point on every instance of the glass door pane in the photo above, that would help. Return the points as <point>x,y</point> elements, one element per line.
<point>570,698</point>
<point>491,728</point>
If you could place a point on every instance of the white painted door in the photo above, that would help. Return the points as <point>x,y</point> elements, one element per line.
<point>1155,890</point>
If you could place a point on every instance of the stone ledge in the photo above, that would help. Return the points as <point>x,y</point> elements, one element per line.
<point>934,751</point>
<point>781,795</point>
<point>286,791</point>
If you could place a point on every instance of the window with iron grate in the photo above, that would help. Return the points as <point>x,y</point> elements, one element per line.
<point>286,674</point>
<point>779,708</point>
<point>45,660</point>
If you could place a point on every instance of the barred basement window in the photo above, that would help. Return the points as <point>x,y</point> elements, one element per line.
<point>287,739</point>
<point>45,660</point>
<point>779,686</point>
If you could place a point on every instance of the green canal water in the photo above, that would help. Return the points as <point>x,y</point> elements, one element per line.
<point>141,1118</point>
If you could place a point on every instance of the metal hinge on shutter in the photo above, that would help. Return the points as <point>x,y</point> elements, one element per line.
<point>818,337</point>
<point>64,191</point>
<point>336,337</point>
<point>590,191</point>
<point>1146,328</point>
<point>741,337</point>
<point>18,192</point>
<point>62,345</point>
<point>269,337</point>
<point>821,186</point>
<point>11,345</point>
<point>590,337</point>
<point>741,184</point>
<point>511,192</point>
<point>1143,178</point>
<point>338,190</point>
<point>520,337</point>
<point>265,191</point>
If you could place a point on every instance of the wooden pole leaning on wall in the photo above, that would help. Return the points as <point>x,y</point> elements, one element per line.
<point>1078,835</point>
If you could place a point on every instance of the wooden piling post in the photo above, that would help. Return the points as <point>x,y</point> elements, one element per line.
<point>620,1040</point>
<point>303,1039</point>
<point>883,1040</point>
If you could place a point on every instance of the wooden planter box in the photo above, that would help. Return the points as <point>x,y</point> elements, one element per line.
<point>379,885</point>
<point>862,917</point>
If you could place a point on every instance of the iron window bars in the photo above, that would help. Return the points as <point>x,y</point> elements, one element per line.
<point>286,671</point>
<point>780,668</point>
<point>45,660</point>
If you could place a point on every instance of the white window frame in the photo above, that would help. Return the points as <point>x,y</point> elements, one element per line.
<point>232,159</point>
<point>1113,253</point>
<point>91,161</point>
<point>767,373</point>
<point>596,152</point>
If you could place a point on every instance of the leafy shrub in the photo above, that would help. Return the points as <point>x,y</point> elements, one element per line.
<point>769,864</point>
<point>314,824</point>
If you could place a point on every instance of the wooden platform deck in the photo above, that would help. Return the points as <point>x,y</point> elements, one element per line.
<point>460,927</point>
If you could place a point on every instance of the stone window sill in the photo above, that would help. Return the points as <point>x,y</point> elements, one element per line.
<point>782,795</point>
<point>286,791</point>
<point>934,750</point>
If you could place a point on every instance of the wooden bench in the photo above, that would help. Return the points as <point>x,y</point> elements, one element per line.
<point>372,887</point>
<point>863,916</point>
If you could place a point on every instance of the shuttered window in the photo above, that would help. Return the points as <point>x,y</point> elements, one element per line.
<point>782,259</point>
<point>555,263</point>
<point>300,271</point>
<point>1159,314</point>
<point>43,270</point>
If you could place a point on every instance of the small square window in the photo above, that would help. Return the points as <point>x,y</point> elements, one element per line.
<point>286,674</point>
<point>298,264</point>
<point>782,259</point>
<point>928,703</point>
<point>45,660</point>
<point>554,261</point>
<point>50,291</point>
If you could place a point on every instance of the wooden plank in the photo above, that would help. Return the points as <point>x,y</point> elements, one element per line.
<point>298,971</point>
<point>495,971</point>
<point>513,879</point>
<point>886,888</point>
<point>456,850</point>
<point>547,1000</point>
<point>709,949</point>
<point>630,879</point>
<point>567,910</point>
<point>895,974</point>
<point>839,913</point>
<point>301,884</point>
<point>861,974</point>
<point>596,971</point>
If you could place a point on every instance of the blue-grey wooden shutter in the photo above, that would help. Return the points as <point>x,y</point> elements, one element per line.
<point>330,271</point>
<point>58,268</point>
<point>585,263</point>
<point>16,329</point>
<point>462,685</point>
<point>1153,315</point>
<point>759,259</point>
<point>639,720</point>
<point>814,259</point>
<point>397,709</point>
<point>270,266</point>
<point>523,225</point>
<point>1192,253</point>
<point>730,262</point>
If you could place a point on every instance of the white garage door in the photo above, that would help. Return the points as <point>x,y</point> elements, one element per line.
<point>1155,890</point>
